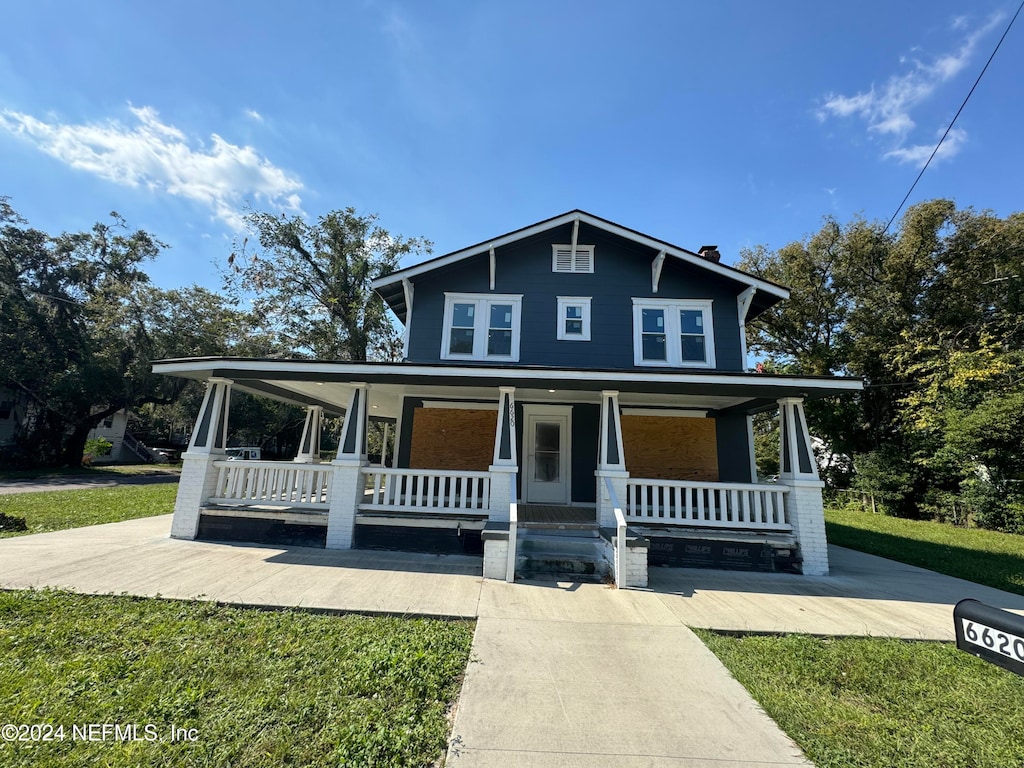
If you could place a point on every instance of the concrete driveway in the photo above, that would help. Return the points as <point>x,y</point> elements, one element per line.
<point>84,482</point>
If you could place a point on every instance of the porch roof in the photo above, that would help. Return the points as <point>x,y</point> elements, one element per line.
<point>327,384</point>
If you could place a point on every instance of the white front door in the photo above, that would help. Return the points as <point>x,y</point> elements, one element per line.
<point>548,466</point>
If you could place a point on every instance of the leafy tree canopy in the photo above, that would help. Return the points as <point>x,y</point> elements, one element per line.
<point>932,317</point>
<point>310,282</point>
<point>81,324</point>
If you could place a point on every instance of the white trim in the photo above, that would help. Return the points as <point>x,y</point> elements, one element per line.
<point>742,308</point>
<point>460,405</point>
<point>407,331</point>
<point>493,267</point>
<point>482,303</point>
<point>684,413</point>
<point>574,251</point>
<point>750,447</point>
<point>564,302</point>
<point>543,226</point>
<point>610,413</point>
<point>173,367</point>
<point>506,406</point>
<point>398,431</point>
<point>656,267</point>
<point>673,347</point>
<point>531,411</point>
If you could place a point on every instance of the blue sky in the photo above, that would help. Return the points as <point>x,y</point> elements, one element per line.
<point>735,123</point>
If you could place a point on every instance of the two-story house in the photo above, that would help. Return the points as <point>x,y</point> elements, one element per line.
<point>573,395</point>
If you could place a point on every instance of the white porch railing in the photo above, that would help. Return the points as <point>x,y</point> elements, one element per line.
<point>746,506</point>
<point>272,483</point>
<point>620,533</point>
<point>425,490</point>
<point>513,533</point>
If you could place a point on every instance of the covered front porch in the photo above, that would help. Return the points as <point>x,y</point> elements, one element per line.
<point>486,460</point>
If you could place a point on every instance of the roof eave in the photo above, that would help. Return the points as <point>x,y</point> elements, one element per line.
<point>659,245</point>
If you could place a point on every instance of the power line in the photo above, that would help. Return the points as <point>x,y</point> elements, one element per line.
<point>953,121</point>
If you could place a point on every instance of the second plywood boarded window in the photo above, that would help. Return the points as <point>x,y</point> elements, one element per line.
<point>670,448</point>
<point>450,438</point>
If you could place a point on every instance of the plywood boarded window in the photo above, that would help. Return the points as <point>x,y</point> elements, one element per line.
<point>670,448</point>
<point>450,438</point>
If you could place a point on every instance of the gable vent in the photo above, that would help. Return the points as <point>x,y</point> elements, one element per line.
<point>564,260</point>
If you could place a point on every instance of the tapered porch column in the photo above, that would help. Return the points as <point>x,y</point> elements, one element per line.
<point>799,470</point>
<point>309,445</point>
<point>505,460</point>
<point>207,445</point>
<point>611,459</point>
<point>348,482</point>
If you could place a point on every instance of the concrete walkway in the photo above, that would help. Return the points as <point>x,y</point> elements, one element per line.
<point>84,482</point>
<point>562,674</point>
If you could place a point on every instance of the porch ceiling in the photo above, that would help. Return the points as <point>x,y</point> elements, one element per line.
<point>314,382</point>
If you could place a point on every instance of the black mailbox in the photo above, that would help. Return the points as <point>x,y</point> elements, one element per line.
<point>990,633</point>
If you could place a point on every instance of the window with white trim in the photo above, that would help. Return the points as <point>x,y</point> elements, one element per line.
<point>573,318</point>
<point>481,327</point>
<point>676,333</point>
<point>564,259</point>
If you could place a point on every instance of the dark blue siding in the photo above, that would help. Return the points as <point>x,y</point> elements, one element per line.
<point>622,271</point>
<point>733,449</point>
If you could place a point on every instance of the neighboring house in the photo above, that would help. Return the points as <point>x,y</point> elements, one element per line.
<point>573,398</point>
<point>13,413</point>
<point>125,447</point>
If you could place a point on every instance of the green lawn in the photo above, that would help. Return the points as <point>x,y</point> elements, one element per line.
<point>882,703</point>
<point>259,688</point>
<point>985,557</point>
<point>57,510</point>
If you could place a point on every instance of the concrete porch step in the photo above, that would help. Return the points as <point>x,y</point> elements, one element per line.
<point>559,556</point>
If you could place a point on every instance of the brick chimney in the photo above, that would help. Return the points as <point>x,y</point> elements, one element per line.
<point>710,252</point>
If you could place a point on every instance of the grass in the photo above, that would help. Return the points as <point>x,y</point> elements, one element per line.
<point>114,470</point>
<point>984,557</point>
<point>57,510</point>
<point>858,702</point>
<point>260,688</point>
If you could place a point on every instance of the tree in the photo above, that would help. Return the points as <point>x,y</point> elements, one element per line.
<point>80,324</point>
<point>932,317</point>
<point>310,282</point>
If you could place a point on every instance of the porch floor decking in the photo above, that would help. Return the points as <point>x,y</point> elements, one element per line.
<point>553,514</point>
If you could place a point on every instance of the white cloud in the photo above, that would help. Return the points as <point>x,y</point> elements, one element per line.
<point>887,110</point>
<point>252,114</point>
<point>919,153</point>
<point>160,157</point>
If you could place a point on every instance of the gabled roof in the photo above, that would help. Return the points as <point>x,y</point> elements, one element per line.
<point>391,289</point>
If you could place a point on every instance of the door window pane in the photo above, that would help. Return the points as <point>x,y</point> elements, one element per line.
<point>548,436</point>
<point>547,451</point>
<point>545,467</point>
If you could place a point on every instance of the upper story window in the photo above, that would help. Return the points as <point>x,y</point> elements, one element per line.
<point>481,327</point>
<point>573,318</point>
<point>563,259</point>
<point>673,333</point>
